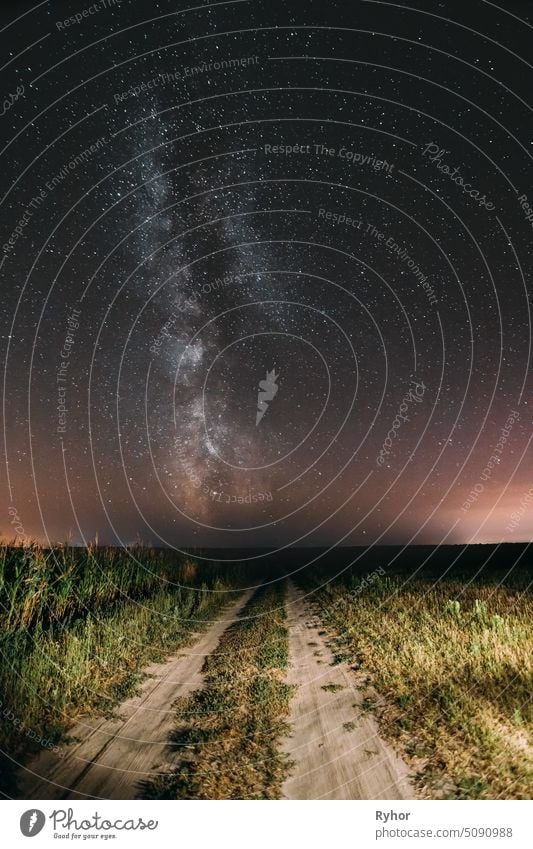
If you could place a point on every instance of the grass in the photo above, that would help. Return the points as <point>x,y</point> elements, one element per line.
<point>229,731</point>
<point>77,626</point>
<point>452,663</point>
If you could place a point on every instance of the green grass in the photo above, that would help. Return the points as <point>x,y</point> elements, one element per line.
<point>453,664</point>
<point>229,731</point>
<point>77,627</point>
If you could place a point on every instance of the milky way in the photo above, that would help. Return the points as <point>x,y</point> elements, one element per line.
<point>332,198</point>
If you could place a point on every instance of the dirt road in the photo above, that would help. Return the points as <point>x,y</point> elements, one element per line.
<point>335,746</point>
<point>115,756</point>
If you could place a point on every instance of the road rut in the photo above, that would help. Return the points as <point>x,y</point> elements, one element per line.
<point>337,750</point>
<point>117,755</point>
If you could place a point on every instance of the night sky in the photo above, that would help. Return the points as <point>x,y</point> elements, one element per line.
<point>330,199</point>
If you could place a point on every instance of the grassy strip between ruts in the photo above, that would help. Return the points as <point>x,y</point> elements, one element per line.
<point>77,627</point>
<point>452,663</point>
<point>229,731</point>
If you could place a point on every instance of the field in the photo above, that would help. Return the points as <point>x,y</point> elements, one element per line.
<point>447,667</point>
<point>77,627</point>
<point>332,683</point>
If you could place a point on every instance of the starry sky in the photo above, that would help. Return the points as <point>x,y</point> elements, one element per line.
<point>324,209</point>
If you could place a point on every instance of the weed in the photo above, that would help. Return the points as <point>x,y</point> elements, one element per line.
<point>229,731</point>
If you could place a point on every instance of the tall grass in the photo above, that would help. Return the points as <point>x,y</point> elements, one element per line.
<point>77,626</point>
<point>449,670</point>
<point>40,585</point>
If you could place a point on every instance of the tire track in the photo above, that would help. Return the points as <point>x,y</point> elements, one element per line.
<point>336,749</point>
<point>116,755</point>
